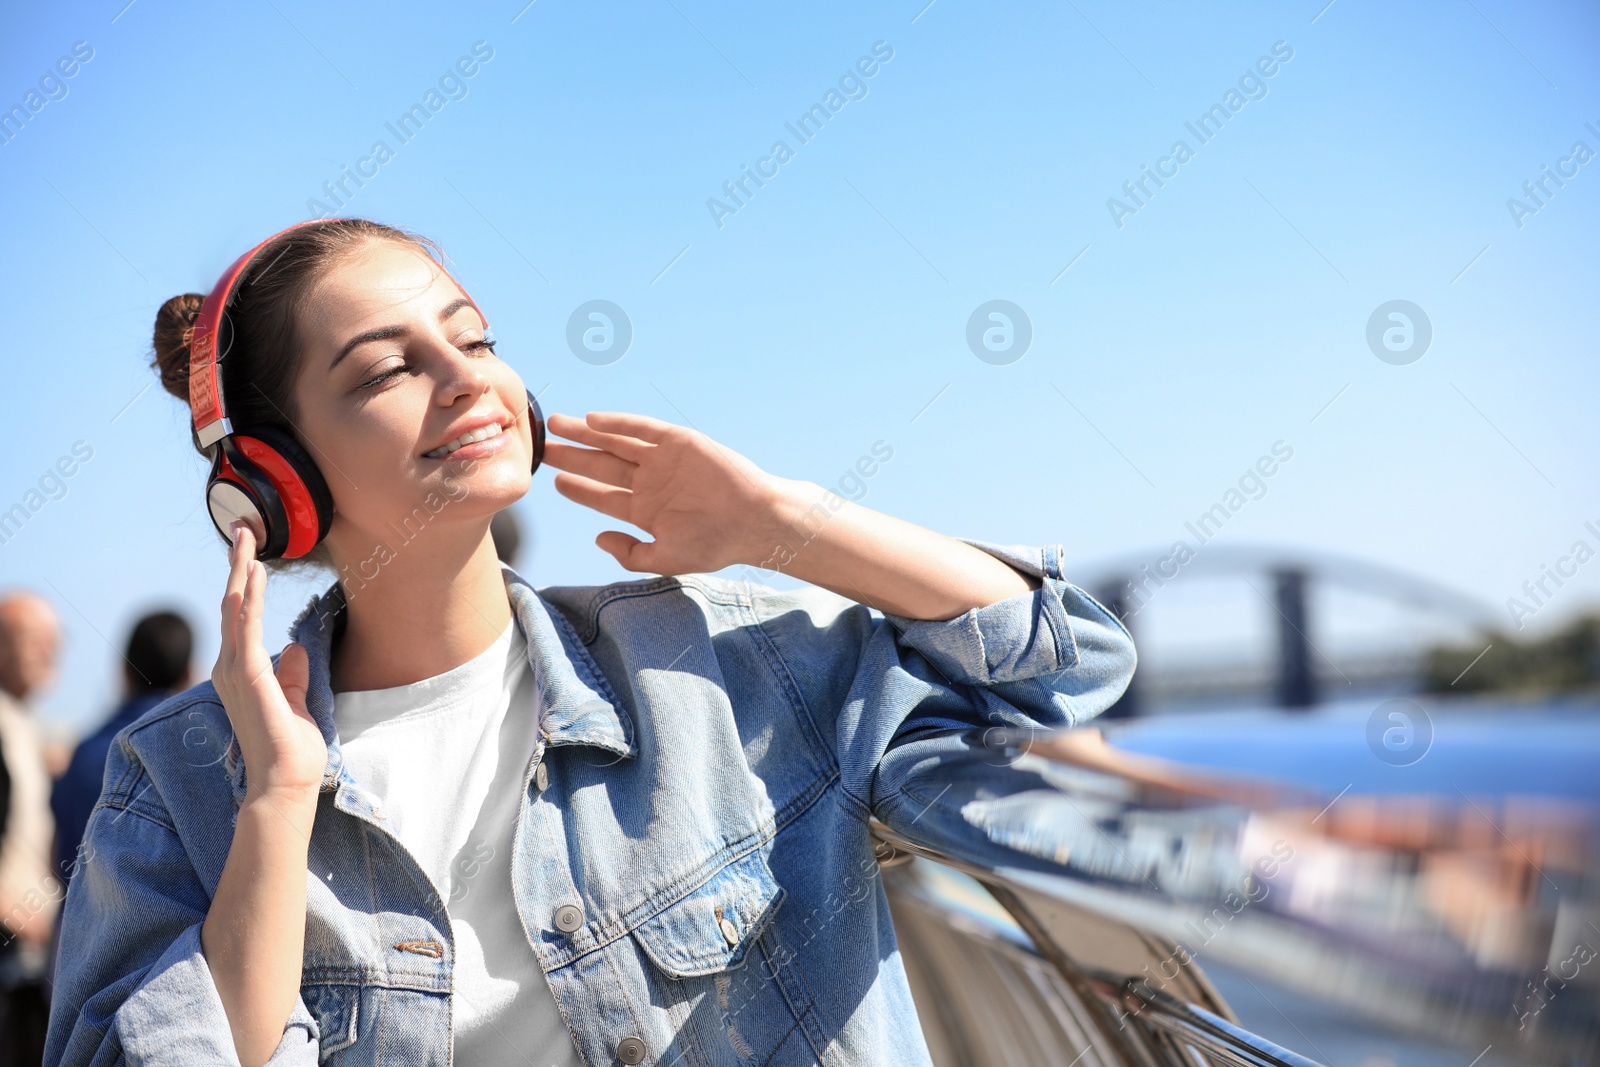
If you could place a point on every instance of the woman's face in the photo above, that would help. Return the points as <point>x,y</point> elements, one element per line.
<point>393,373</point>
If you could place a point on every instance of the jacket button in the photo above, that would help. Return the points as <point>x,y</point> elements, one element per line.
<point>730,933</point>
<point>568,918</point>
<point>630,1050</point>
<point>541,776</point>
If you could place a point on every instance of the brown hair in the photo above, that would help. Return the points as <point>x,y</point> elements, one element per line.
<point>259,367</point>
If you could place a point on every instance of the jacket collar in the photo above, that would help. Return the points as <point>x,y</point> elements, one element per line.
<point>576,704</point>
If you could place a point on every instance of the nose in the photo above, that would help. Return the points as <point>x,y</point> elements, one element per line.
<point>461,376</point>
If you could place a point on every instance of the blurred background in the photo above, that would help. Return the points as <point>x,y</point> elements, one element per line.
<point>1278,318</point>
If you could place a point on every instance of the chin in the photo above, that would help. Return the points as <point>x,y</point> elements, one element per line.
<point>436,519</point>
<point>484,493</point>
<point>504,475</point>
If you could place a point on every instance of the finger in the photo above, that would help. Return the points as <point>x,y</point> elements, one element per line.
<point>240,553</point>
<point>618,503</point>
<point>577,429</point>
<point>591,463</point>
<point>626,549</point>
<point>238,560</point>
<point>643,427</point>
<point>630,449</point>
<point>294,677</point>
<point>254,595</point>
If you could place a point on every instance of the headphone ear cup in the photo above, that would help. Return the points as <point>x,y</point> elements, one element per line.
<point>237,490</point>
<point>536,423</point>
<point>298,486</point>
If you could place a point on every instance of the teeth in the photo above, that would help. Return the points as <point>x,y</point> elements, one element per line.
<point>482,434</point>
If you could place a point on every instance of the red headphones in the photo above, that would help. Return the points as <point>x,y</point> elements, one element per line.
<point>260,473</point>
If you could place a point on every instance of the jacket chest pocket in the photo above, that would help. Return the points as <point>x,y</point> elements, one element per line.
<point>728,978</point>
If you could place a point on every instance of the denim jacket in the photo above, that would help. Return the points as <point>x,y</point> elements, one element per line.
<point>712,752</point>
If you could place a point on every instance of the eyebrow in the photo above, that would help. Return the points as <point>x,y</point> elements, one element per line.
<point>384,333</point>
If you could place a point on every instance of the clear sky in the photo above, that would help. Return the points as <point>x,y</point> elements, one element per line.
<point>1176,336</point>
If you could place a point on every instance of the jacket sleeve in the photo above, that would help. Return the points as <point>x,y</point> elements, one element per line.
<point>916,707</point>
<point>131,984</point>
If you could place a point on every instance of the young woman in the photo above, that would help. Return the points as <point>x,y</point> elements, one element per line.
<point>461,820</point>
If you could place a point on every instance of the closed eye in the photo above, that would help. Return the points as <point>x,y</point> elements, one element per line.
<point>484,345</point>
<point>373,383</point>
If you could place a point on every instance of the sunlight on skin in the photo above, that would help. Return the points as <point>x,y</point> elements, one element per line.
<point>369,412</point>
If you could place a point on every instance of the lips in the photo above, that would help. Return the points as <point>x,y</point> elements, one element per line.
<point>482,433</point>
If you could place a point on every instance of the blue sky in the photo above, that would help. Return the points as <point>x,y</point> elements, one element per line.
<point>830,311</point>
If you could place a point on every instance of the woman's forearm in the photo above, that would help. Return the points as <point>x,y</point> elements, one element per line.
<point>888,563</point>
<point>254,935</point>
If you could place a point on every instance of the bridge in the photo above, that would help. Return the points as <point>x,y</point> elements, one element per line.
<point>1128,584</point>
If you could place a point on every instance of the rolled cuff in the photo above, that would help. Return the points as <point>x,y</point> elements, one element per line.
<point>1021,637</point>
<point>175,1016</point>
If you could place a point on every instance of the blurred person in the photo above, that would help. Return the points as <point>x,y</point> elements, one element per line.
<point>507,534</point>
<point>30,894</point>
<point>155,666</point>
<point>461,819</point>
<point>57,755</point>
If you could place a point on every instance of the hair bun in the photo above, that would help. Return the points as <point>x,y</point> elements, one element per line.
<point>174,324</point>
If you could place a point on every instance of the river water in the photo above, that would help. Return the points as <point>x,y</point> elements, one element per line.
<point>1477,747</point>
<point>1547,748</point>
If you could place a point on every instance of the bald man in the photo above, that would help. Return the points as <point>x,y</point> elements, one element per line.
<point>30,892</point>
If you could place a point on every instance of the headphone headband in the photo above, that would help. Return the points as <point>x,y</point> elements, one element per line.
<point>261,474</point>
<point>207,412</point>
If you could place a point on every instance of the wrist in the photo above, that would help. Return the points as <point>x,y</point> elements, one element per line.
<point>297,807</point>
<point>782,527</point>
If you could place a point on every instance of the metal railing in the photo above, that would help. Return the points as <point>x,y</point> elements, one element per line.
<point>1003,975</point>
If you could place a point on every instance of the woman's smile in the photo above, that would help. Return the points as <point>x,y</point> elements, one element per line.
<point>490,436</point>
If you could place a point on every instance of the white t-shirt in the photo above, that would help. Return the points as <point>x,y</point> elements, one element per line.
<point>446,757</point>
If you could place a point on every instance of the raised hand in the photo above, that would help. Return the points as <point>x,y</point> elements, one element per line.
<point>284,753</point>
<point>706,506</point>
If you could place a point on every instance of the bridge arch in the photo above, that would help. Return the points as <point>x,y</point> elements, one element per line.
<point>1127,582</point>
